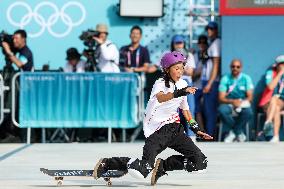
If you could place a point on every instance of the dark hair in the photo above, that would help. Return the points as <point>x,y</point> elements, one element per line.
<point>203,39</point>
<point>173,49</point>
<point>136,27</point>
<point>22,33</point>
<point>167,79</point>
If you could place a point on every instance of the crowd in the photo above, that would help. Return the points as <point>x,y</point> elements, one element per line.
<point>226,99</point>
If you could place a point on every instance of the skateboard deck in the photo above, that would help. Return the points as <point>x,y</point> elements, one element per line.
<point>60,174</point>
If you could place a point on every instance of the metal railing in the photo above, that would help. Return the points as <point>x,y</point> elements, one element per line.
<point>3,110</point>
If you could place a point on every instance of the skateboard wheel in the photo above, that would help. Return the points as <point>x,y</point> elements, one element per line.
<point>59,183</point>
<point>109,183</point>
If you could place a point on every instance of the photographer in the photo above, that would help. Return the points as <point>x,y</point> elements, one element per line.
<point>106,52</point>
<point>24,57</point>
<point>74,61</point>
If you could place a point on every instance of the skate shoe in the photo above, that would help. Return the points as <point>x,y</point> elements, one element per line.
<point>100,168</point>
<point>138,169</point>
<point>158,171</point>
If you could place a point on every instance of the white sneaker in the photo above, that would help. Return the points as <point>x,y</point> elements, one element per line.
<point>230,138</point>
<point>275,139</point>
<point>241,137</point>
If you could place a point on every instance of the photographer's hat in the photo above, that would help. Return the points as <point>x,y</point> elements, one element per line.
<point>102,28</point>
<point>279,59</point>
<point>72,53</point>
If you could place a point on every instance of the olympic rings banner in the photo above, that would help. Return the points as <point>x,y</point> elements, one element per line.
<point>46,24</point>
<point>53,26</point>
<point>89,100</point>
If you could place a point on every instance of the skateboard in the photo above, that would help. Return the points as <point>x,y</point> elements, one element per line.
<point>60,174</point>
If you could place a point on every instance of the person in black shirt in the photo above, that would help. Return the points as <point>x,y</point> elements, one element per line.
<point>24,57</point>
<point>134,57</point>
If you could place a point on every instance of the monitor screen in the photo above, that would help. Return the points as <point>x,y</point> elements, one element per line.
<point>141,8</point>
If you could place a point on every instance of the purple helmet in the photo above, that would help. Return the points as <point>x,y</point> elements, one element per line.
<point>172,58</point>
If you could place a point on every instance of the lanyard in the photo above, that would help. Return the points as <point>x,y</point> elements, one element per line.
<point>137,57</point>
<point>232,87</point>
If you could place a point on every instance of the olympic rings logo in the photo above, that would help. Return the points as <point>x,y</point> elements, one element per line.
<point>46,23</point>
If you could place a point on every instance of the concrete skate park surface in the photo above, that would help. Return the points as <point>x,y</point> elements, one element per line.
<point>231,166</point>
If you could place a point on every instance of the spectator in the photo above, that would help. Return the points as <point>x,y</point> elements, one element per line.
<point>106,51</point>
<point>275,84</point>
<point>178,43</point>
<point>210,77</point>
<point>200,74</point>
<point>74,61</point>
<point>134,57</point>
<point>24,58</point>
<point>235,96</point>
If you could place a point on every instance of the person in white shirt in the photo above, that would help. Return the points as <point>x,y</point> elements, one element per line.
<point>74,62</point>
<point>162,128</point>
<point>179,44</point>
<point>106,52</point>
<point>210,78</point>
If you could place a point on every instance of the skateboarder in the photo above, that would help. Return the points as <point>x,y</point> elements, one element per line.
<point>162,128</point>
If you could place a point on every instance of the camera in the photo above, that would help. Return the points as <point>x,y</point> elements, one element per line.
<point>87,37</point>
<point>5,37</point>
<point>90,52</point>
<point>8,38</point>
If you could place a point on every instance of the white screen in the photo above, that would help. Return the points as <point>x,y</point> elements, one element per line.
<point>141,8</point>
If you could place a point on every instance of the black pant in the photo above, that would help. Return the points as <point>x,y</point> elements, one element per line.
<point>172,136</point>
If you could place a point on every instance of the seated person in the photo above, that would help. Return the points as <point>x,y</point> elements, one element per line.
<point>74,61</point>
<point>275,104</point>
<point>235,96</point>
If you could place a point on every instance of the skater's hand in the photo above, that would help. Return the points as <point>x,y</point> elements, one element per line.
<point>191,90</point>
<point>204,135</point>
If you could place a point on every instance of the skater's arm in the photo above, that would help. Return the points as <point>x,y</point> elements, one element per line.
<point>187,114</point>
<point>194,125</point>
<point>162,97</point>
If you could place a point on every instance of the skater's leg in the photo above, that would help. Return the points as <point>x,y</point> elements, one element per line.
<point>154,145</point>
<point>192,160</point>
<point>114,163</point>
<point>117,163</point>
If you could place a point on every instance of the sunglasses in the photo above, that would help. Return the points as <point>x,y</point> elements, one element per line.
<point>238,67</point>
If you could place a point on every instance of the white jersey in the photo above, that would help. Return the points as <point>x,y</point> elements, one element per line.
<point>190,63</point>
<point>159,114</point>
<point>214,49</point>
<point>108,57</point>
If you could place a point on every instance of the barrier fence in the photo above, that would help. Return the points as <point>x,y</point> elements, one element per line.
<point>72,100</point>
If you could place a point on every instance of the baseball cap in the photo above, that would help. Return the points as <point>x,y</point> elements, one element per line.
<point>178,39</point>
<point>211,25</point>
